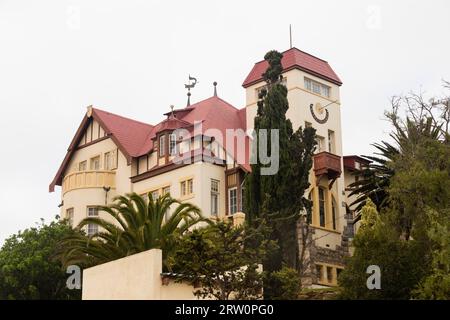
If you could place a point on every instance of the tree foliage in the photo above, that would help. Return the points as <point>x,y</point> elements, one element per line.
<point>134,225</point>
<point>219,259</point>
<point>436,285</point>
<point>27,268</point>
<point>378,243</point>
<point>289,282</point>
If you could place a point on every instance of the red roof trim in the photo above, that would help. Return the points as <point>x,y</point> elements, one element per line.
<point>57,180</point>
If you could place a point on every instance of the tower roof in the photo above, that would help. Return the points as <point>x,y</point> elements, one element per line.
<point>295,59</point>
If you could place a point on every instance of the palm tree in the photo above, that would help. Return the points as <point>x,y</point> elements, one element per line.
<point>375,179</point>
<point>134,225</point>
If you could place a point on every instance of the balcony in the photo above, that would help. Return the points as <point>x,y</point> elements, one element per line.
<point>88,179</point>
<point>327,164</point>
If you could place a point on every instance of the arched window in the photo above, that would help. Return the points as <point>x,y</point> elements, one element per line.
<point>322,206</point>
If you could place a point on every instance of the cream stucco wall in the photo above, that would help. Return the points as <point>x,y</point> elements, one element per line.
<point>136,277</point>
<point>201,173</point>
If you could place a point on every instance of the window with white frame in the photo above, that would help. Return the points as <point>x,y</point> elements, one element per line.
<point>172,144</point>
<point>110,161</point>
<point>162,145</point>
<point>320,144</point>
<point>187,187</point>
<point>317,87</point>
<point>232,200</point>
<point>92,228</point>
<point>331,145</point>
<point>214,197</point>
<point>95,163</point>
<point>166,190</point>
<point>82,166</point>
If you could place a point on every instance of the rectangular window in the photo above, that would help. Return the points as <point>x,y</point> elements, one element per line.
<point>232,200</point>
<point>322,207</point>
<point>95,163</point>
<point>110,160</point>
<point>172,144</point>
<point>320,143</point>
<point>190,186</point>
<point>155,195</point>
<point>338,272</point>
<point>331,147</point>
<point>162,145</point>
<point>319,273</point>
<point>325,91</point>
<point>330,274</point>
<point>92,228</point>
<point>317,87</point>
<point>82,166</point>
<point>187,187</point>
<point>166,190</point>
<point>69,216</point>
<point>308,84</point>
<point>214,197</point>
<point>333,212</point>
<point>183,188</point>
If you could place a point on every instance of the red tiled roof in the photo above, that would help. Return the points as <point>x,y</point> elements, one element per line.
<point>212,113</point>
<point>295,58</point>
<point>130,134</point>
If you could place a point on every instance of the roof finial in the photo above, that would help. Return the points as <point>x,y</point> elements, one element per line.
<point>171,110</point>
<point>189,86</point>
<point>189,99</point>
<point>215,88</point>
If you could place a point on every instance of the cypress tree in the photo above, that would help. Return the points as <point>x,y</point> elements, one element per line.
<point>278,199</point>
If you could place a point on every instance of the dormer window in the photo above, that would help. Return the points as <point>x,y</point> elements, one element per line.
<point>162,145</point>
<point>172,144</point>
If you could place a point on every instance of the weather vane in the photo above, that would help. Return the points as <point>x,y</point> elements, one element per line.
<point>189,86</point>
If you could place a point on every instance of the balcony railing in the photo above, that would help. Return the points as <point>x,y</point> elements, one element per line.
<point>328,164</point>
<point>89,179</point>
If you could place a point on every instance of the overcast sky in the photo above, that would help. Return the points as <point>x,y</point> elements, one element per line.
<point>133,57</point>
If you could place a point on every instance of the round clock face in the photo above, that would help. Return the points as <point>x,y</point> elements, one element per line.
<point>319,113</point>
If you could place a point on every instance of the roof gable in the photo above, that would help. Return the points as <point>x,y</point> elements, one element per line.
<point>129,136</point>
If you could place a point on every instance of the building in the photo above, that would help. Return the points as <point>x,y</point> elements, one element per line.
<point>112,155</point>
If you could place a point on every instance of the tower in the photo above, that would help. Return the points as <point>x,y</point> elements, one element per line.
<point>314,100</point>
